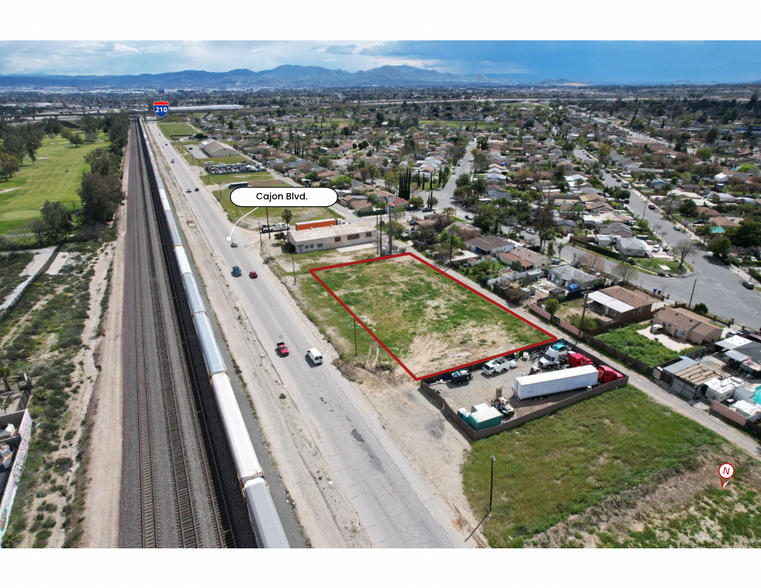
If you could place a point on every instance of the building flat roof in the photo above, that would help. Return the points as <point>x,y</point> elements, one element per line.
<point>328,232</point>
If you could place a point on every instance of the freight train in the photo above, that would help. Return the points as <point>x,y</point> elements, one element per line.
<point>264,519</point>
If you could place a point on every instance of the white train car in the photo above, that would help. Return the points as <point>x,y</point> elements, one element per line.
<point>261,508</point>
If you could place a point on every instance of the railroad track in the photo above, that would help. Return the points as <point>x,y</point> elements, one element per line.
<point>157,342</point>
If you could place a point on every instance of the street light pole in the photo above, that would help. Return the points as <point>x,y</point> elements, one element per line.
<point>693,292</point>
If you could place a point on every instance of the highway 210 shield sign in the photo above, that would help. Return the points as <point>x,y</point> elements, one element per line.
<point>161,109</point>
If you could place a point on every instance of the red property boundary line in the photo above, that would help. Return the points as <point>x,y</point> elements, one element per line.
<point>314,271</point>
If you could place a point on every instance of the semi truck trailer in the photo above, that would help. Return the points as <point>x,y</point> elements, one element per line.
<point>526,387</point>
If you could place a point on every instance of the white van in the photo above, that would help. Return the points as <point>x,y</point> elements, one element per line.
<point>314,356</point>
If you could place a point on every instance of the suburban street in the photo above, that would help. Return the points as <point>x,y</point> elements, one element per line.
<point>396,507</point>
<point>716,286</point>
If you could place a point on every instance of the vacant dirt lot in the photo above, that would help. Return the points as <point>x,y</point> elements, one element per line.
<point>426,319</point>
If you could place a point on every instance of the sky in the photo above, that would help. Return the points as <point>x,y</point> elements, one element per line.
<point>596,62</point>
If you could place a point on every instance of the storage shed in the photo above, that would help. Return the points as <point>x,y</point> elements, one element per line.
<point>483,416</point>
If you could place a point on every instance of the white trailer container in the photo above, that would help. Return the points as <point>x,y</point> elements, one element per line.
<point>526,387</point>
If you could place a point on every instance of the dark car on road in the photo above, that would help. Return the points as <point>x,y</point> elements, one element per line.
<point>749,285</point>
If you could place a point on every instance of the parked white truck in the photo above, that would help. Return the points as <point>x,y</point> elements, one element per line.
<point>498,365</point>
<point>526,387</point>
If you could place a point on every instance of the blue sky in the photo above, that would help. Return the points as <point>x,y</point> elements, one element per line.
<point>583,61</point>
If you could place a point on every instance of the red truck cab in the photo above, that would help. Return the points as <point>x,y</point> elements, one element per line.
<point>577,359</point>
<point>607,374</point>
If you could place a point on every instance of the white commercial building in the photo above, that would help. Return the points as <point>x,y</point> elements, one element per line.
<point>332,237</point>
<point>217,149</point>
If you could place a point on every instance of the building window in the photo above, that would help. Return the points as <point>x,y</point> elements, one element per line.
<point>352,237</point>
<point>368,234</point>
<point>613,313</point>
<point>338,239</point>
<point>319,245</point>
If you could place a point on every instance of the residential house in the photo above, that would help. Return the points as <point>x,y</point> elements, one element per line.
<point>632,247</point>
<point>706,211</point>
<point>687,325</point>
<point>571,278</point>
<point>618,229</point>
<point>686,377</point>
<point>489,245</point>
<point>530,259</point>
<point>620,304</point>
<point>726,222</point>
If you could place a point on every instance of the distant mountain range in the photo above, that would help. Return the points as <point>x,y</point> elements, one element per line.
<point>285,76</point>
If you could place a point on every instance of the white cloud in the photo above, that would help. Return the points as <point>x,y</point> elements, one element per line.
<point>120,49</point>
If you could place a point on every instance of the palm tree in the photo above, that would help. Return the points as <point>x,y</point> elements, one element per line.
<point>448,212</point>
<point>286,215</point>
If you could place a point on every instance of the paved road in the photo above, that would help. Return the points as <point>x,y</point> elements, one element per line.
<point>717,287</point>
<point>395,506</point>
<point>446,195</point>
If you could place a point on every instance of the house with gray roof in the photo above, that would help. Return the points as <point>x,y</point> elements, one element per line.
<point>632,247</point>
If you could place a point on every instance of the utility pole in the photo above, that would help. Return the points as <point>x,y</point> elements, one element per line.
<point>451,241</point>
<point>693,292</point>
<point>491,485</point>
<point>261,243</point>
<point>389,230</point>
<point>355,338</point>
<point>267,212</point>
<point>293,265</point>
<point>583,312</point>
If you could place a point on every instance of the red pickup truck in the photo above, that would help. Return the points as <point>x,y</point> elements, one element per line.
<point>282,349</point>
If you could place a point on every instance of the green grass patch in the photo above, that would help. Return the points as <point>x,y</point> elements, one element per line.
<point>628,340</point>
<point>11,266</point>
<point>55,176</point>
<point>654,264</point>
<point>254,178</point>
<point>177,128</point>
<point>230,159</point>
<point>557,466</point>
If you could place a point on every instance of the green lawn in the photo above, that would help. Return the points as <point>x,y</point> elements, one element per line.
<point>55,176</point>
<point>628,340</point>
<point>556,466</point>
<point>231,159</point>
<point>655,264</point>
<point>255,179</point>
<point>260,215</point>
<point>177,128</point>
